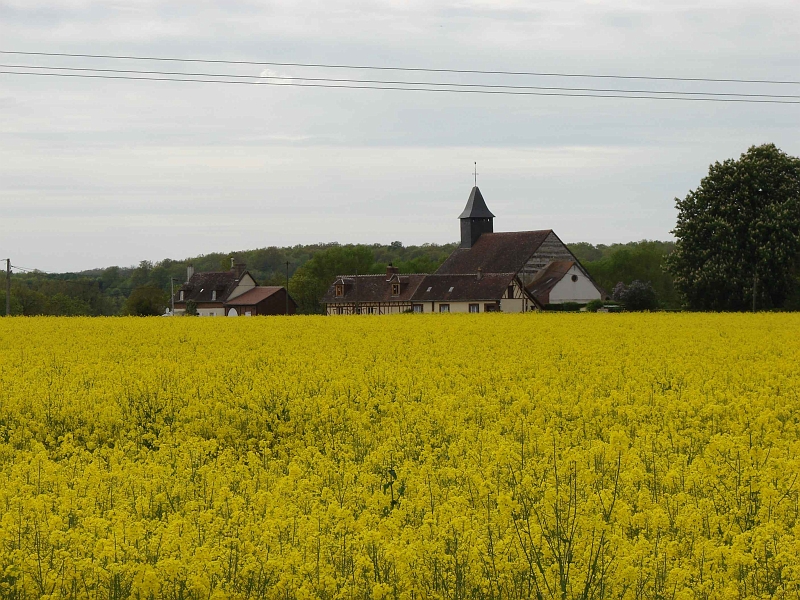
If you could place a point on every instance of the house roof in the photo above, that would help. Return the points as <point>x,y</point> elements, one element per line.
<point>372,288</point>
<point>495,253</point>
<point>255,295</point>
<point>463,287</point>
<point>476,207</point>
<point>201,285</point>
<point>547,278</point>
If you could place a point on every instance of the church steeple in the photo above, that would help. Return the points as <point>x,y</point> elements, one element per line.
<point>476,219</point>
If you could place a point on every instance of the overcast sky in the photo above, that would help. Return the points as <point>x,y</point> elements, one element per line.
<point>102,172</point>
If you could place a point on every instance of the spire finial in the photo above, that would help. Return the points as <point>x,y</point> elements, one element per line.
<point>475,172</point>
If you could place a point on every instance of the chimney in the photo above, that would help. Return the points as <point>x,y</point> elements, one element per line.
<point>239,268</point>
<point>480,273</point>
<point>233,261</point>
<point>391,270</point>
<point>189,272</point>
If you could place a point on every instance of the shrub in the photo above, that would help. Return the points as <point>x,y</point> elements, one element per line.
<point>593,305</point>
<point>638,295</point>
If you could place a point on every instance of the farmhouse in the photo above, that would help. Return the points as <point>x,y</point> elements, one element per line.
<point>488,272</point>
<point>231,293</point>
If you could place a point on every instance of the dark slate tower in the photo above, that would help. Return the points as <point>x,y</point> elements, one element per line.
<point>475,220</point>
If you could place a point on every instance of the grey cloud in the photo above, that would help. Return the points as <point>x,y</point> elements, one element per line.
<point>253,166</point>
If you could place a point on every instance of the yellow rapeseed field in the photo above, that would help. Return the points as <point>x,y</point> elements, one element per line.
<point>418,456</point>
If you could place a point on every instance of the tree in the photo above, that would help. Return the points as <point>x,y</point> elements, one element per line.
<point>636,296</point>
<point>738,234</point>
<point>146,300</point>
<point>643,260</point>
<point>309,283</point>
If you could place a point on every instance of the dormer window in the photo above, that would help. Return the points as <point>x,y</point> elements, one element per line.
<point>213,295</point>
<point>339,290</point>
<point>395,289</point>
<point>181,297</point>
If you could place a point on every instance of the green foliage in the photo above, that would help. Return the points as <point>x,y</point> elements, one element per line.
<point>564,307</point>
<point>594,305</point>
<point>739,234</point>
<point>637,296</point>
<point>42,294</point>
<point>146,301</point>
<point>642,260</point>
<point>191,308</point>
<point>311,280</point>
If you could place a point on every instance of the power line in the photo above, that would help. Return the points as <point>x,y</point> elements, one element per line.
<point>417,69</point>
<point>407,89</point>
<point>398,82</point>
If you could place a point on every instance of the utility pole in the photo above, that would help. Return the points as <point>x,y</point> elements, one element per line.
<point>8,287</point>
<point>287,288</point>
<point>172,294</point>
<point>755,287</point>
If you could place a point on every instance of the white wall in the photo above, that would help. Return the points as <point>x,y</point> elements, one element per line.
<point>566,290</point>
<point>246,284</point>
<point>512,305</point>
<point>211,312</point>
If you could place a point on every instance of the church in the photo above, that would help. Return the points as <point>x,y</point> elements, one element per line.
<point>489,272</point>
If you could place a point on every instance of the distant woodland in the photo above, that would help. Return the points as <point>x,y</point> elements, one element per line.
<point>311,269</point>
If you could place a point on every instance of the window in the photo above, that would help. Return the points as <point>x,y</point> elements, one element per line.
<point>490,307</point>
<point>511,291</point>
<point>574,278</point>
<point>369,310</point>
<point>417,308</point>
<point>213,295</point>
<point>339,291</point>
<point>450,290</point>
<point>395,289</point>
<point>429,289</point>
<point>474,308</point>
<point>444,308</point>
<point>339,310</point>
<point>181,297</point>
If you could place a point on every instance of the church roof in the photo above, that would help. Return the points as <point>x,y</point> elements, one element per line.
<point>476,207</point>
<point>495,253</point>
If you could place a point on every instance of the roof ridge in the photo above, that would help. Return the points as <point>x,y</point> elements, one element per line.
<point>514,232</point>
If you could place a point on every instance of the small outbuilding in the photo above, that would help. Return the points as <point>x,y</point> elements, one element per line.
<point>261,300</point>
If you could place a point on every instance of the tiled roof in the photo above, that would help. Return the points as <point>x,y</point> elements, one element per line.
<point>495,253</point>
<point>443,288</point>
<point>372,288</point>
<point>254,296</point>
<point>547,278</point>
<point>201,285</point>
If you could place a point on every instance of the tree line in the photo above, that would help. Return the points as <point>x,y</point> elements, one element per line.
<point>145,288</point>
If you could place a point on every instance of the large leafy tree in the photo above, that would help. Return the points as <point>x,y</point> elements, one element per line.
<point>310,281</point>
<point>738,233</point>
<point>146,300</point>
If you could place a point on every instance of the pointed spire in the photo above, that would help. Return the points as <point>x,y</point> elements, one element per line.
<point>476,207</point>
